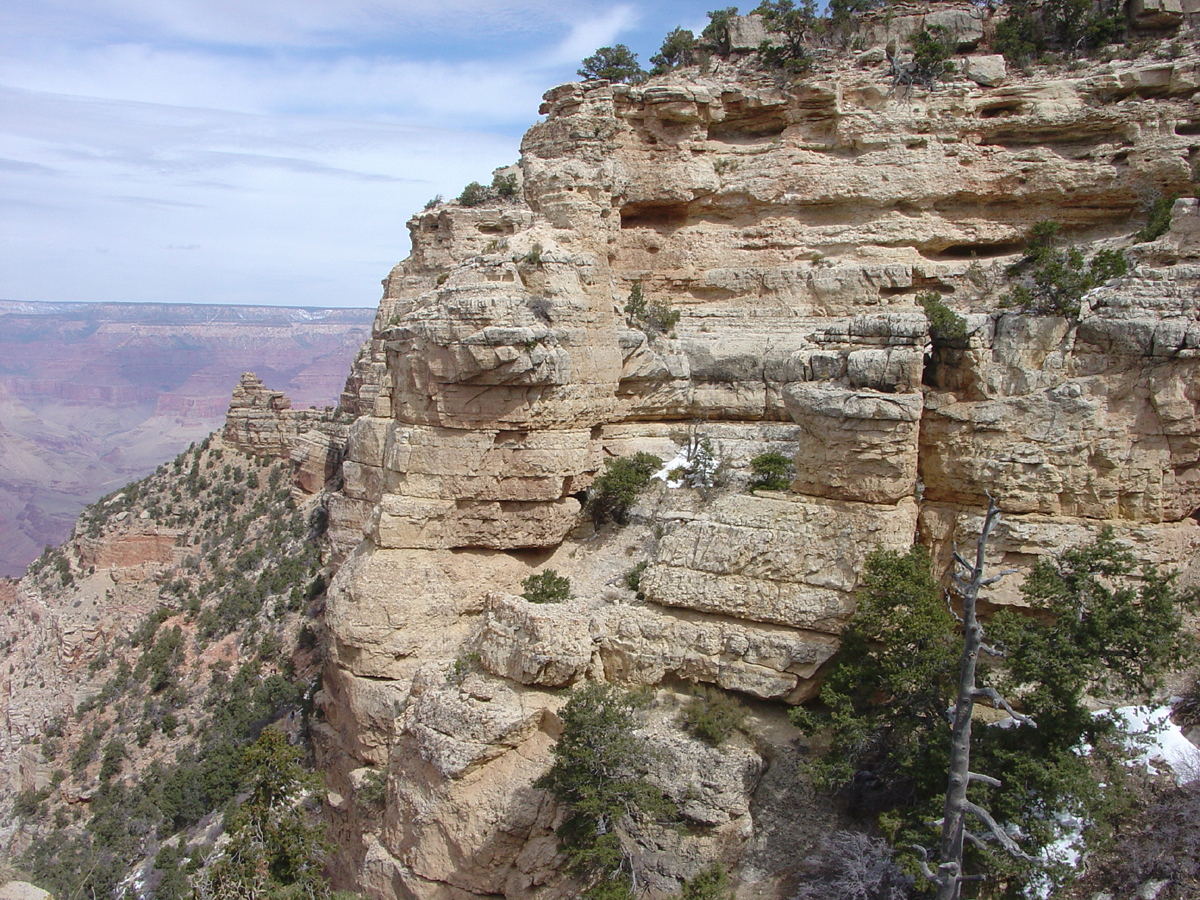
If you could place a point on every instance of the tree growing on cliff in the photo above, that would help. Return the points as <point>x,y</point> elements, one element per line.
<point>715,35</point>
<point>678,49</point>
<point>792,24</point>
<point>617,64</point>
<point>1093,627</point>
<point>276,847</point>
<point>1051,280</point>
<point>599,776</point>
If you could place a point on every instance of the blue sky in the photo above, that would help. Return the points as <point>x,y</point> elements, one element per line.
<point>264,151</point>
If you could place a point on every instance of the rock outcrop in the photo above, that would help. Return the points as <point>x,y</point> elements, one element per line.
<point>261,422</point>
<point>792,228</point>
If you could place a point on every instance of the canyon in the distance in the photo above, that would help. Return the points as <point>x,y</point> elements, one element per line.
<point>94,395</point>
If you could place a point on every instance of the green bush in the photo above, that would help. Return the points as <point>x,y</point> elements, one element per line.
<point>651,316</point>
<point>617,64</point>
<point>678,49</point>
<point>1071,27</point>
<point>1055,280</point>
<point>710,884</point>
<point>713,715</point>
<point>615,490</point>
<point>772,471</point>
<point>715,36</point>
<point>932,49</point>
<point>633,579</point>
<point>1158,218</point>
<point>505,185</point>
<point>598,774</point>
<point>473,195</point>
<point>546,587</point>
<point>792,23</point>
<point>945,325</point>
<point>373,790</point>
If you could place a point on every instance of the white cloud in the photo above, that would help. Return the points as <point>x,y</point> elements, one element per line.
<point>586,36</point>
<point>283,143</point>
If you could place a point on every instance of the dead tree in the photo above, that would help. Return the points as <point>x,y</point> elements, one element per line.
<point>969,579</point>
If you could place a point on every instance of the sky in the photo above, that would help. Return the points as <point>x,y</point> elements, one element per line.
<point>265,151</point>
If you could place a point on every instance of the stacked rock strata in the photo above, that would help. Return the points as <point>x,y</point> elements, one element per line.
<point>792,229</point>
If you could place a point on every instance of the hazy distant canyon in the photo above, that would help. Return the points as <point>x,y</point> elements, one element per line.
<point>93,395</point>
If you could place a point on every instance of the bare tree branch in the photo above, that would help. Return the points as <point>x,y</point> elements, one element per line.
<point>1000,703</point>
<point>1001,835</point>
<point>984,779</point>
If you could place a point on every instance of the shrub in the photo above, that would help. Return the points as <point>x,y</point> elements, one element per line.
<point>373,790</point>
<point>505,185</point>
<point>678,49</point>
<point>792,23</point>
<point>710,884</point>
<point>1056,280</point>
<point>1158,218</point>
<point>701,468</point>
<point>772,471</point>
<point>633,579</point>
<point>617,64</point>
<point>651,316</point>
<point>1073,27</point>
<point>715,35</point>
<point>435,201</point>
<point>932,49</point>
<point>945,325</point>
<point>598,774</point>
<point>473,195</point>
<point>614,491</point>
<point>546,587</point>
<point>713,715</point>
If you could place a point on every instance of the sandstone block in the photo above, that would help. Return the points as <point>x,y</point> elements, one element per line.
<point>857,445</point>
<point>428,524</point>
<point>793,562</point>
<point>987,71</point>
<point>1156,13</point>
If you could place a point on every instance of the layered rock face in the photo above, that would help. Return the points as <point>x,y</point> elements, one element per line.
<point>261,422</point>
<point>792,229</point>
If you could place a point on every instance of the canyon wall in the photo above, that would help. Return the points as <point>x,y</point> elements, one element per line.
<point>93,395</point>
<point>792,226</point>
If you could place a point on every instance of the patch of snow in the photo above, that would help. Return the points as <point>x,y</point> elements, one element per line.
<point>1158,741</point>
<point>664,474</point>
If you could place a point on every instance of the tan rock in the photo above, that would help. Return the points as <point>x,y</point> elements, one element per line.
<point>987,70</point>
<point>793,561</point>
<point>857,445</point>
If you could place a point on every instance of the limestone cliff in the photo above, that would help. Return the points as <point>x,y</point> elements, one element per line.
<point>792,226</point>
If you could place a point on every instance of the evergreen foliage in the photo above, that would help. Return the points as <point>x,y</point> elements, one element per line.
<point>713,715</point>
<point>546,587</point>
<point>771,471</point>
<point>709,884</point>
<point>617,64</point>
<point>932,48</point>
<point>792,23</point>
<point>678,50</point>
<point>276,847</point>
<point>715,35</point>
<point>598,774</point>
<point>650,316</point>
<point>1071,27</point>
<point>1095,629</point>
<point>1055,280</point>
<point>1158,218</point>
<point>945,325</point>
<point>615,489</point>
